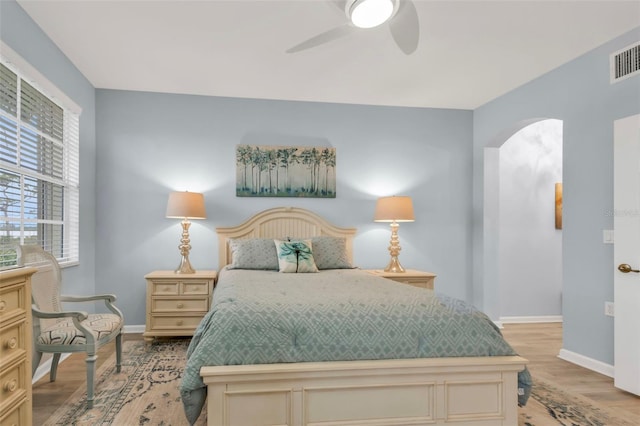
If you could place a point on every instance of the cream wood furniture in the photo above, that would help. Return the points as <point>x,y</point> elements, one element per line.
<point>176,303</point>
<point>15,346</point>
<point>59,331</point>
<point>410,276</point>
<point>478,391</point>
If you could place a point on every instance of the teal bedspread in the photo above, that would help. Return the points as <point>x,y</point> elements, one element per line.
<point>261,317</point>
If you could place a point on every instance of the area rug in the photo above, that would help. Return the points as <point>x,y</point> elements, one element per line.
<point>550,405</point>
<point>146,393</point>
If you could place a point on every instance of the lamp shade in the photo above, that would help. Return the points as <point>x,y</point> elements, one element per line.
<point>394,209</point>
<point>186,204</point>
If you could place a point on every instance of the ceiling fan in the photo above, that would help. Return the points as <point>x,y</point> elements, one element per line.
<point>400,15</point>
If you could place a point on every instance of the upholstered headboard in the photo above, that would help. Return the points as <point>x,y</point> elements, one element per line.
<point>281,222</point>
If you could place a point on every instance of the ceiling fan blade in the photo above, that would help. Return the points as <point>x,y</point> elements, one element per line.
<point>405,27</point>
<point>322,38</point>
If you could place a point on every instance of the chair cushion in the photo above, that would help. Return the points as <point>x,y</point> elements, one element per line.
<point>65,333</point>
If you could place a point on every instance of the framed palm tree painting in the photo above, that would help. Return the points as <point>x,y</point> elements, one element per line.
<point>285,171</point>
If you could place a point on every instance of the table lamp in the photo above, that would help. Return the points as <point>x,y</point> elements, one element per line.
<point>185,205</point>
<point>394,209</point>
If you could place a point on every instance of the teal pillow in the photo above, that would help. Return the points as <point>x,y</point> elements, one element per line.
<point>295,256</point>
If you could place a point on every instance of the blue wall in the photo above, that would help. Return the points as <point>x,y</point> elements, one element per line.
<point>580,94</point>
<point>150,144</point>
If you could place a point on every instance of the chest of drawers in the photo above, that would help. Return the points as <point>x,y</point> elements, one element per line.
<point>15,346</point>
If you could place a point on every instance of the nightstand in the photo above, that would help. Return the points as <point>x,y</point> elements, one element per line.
<point>410,276</point>
<point>176,303</point>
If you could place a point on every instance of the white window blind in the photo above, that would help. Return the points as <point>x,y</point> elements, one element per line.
<point>39,171</point>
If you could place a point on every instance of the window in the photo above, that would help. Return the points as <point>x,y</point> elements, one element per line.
<point>39,170</point>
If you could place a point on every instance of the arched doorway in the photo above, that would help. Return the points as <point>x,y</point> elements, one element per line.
<point>523,256</point>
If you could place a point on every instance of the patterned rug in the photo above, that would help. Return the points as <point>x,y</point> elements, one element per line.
<point>146,393</point>
<point>550,405</point>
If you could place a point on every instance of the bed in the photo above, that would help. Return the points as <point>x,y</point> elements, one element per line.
<point>342,354</point>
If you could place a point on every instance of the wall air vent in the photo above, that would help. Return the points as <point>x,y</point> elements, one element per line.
<point>625,63</point>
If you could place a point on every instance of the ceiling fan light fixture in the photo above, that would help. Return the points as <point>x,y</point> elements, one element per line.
<point>370,13</point>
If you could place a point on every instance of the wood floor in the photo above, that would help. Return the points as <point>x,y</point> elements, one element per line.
<point>72,374</point>
<point>539,343</point>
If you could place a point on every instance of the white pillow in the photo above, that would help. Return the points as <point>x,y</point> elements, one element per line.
<point>295,256</point>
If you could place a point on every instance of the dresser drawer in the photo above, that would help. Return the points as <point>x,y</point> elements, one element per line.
<point>12,302</point>
<point>186,323</point>
<point>12,343</point>
<point>17,417</point>
<point>179,305</point>
<point>13,386</point>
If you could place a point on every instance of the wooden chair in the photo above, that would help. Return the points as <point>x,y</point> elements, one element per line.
<point>58,331</point>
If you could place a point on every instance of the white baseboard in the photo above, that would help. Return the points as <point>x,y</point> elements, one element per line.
<point>130,329</point>
<point>530,320</point>
<point>45,367</point>
<point>586,362</point>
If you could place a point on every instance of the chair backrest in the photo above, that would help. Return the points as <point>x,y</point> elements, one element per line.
<point>46,283</point>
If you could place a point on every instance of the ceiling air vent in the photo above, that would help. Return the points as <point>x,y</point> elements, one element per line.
<point>625,63</point>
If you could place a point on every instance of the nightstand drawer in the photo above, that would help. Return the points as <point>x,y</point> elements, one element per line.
<point>189,288</point>
<point>168,288</point>
<point>420,282</point>
<point>178,305</point>
<point>184,323</point>
<point>410,276</point>
<point>165,288</point>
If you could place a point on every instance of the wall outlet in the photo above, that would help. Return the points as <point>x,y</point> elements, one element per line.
<point>609,309</point>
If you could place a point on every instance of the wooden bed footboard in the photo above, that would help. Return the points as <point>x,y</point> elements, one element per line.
<point>474,391</point>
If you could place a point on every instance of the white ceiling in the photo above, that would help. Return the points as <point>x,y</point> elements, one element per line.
<point>469,52</point>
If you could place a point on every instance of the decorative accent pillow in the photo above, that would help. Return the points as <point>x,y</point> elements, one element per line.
<point>295,256</point>
<point>330,253</point>
<point>253,253</point>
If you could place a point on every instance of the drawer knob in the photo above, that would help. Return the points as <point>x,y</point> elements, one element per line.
<point>11,386</point>
<point>167,288</point>
<point>3,305</point>
<point>11,343</point>
<point>179,322</point>
<point>180,305</point>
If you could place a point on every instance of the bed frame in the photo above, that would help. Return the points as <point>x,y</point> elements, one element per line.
<point>473,391</point>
